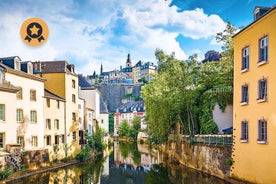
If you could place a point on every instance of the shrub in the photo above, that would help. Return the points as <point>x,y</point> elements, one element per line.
<point>5,173</point>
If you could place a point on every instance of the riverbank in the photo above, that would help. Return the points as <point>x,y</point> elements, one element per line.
<point>19,175</point>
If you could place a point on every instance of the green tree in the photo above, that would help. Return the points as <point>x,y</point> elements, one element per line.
<point>111,122</point>
<point>95,141</point>
<point>124,129</point>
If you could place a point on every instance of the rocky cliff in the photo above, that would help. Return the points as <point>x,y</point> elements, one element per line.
<point>113,93</point>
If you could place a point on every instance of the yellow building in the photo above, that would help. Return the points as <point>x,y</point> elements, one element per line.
<point>54,129</point>
<point>62,80</point>
<point>254,116</point>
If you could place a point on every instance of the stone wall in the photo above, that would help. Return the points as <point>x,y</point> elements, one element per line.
<point>206,158</point>
<point>35,159</point>
<point>113,93</point>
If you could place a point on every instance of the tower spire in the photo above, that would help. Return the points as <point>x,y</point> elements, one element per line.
<point>101,69</point>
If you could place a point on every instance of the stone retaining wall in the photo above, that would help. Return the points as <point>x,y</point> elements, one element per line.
<point>206,158</point>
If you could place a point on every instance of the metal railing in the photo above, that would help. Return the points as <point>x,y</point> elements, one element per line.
<point>211,139</point>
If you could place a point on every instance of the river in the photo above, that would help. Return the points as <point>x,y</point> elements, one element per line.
<point>126,163</point>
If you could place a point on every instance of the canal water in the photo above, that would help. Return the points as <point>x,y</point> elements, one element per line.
<point>126,163</point>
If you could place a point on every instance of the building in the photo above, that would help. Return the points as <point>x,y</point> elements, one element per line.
<point>54,127</point>
<point>29,118</point>
<point>95,105</point>
<point>254,147</point>
<point>62,80</point>
<point>7,111</point>
<point>126,112</point>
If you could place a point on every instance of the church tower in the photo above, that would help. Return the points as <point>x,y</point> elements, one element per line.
<point>128,62</point>
<point>101,69</point>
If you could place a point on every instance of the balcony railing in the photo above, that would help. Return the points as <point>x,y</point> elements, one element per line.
<point>212,139</point>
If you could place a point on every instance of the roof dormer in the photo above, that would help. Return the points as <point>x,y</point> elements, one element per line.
<point>17,64</point>
<point>260,11</point>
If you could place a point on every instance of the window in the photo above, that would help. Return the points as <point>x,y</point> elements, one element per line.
<point>33,117</point>
<point>48,140</point>
<point>19,94</point>
<point>74,116</point>
<point>62,138</point>
<point>56,124</point>
<point>48,124</point>
<point>73,98</point>
<point>262,127</point>
<point>73,84</point>
<point>57,104</point>
<point>244,94</point>
<point>48,102</point>
<point>263,49</point>
<point>2,140</point>
<point>34,141</point>
<point>262,89</point>
<point>19,115</point>
<point>244,131</point>
<point>245,58</point>
<point>2,112</point>
<point>33,95</point>
<point>20,140</point>
<point>74,136</point>
<point>56,139</point>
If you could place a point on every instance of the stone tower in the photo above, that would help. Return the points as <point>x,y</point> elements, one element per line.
<point>128,62</point>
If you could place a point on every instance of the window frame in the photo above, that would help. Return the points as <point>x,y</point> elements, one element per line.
<point>263,59</point>
<point>22,142</point>
<point>57,139</point>
<point>262,131</point>
<point>2,112</point>
<point>73,83</point>
<point>48,124</point>
<point>73,98</point>
<point>245,59</point>
<point>244,94</point>
<point>19,94</point>
<point>48,141</point>
<point>33,116</point>
<point>33,95</point>
<point>34,140</point>
<point>244,131</point>
<point>2,142</point>
<point>19,114</point>
<point>56,124</point>
<point>262,90</point>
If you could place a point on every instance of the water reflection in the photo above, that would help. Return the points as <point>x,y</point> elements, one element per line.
<point>128,163</point>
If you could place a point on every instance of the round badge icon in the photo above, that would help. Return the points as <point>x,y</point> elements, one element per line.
<point>34,31</point>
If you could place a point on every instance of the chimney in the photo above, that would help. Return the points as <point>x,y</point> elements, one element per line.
<point>260,11</point>
<point>37,67</point>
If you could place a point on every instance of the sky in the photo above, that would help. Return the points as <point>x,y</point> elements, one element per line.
<point>88,33</point>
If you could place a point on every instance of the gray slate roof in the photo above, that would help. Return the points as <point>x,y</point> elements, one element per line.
<point>132,106</point>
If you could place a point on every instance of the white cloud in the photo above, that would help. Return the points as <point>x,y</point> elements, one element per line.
<point>83,33</point>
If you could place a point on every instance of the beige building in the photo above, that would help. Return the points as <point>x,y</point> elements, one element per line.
<point>54,126</point>
<point>62,80</point>
<point>29,104</point>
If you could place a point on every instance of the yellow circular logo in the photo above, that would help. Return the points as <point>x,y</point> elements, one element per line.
<point>34,32</point>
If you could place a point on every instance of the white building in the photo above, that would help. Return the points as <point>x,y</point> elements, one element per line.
<point>29,102</point>
<point>7,111</point>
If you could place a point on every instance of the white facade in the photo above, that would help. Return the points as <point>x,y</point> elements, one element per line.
<point>8,116</point>
<point>30,129</point>
<point>92,99</point>
<point>89,121</point>
<point>81,106</point>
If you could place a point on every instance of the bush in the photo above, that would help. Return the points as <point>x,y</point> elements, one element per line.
<point>229,161</point>
<point>83,155</point>
<point>5,173</point>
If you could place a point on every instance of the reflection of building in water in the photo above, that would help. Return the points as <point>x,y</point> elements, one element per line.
<point>130,159</point>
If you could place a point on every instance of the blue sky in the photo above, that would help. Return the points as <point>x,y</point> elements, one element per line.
<point>90,32</point>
